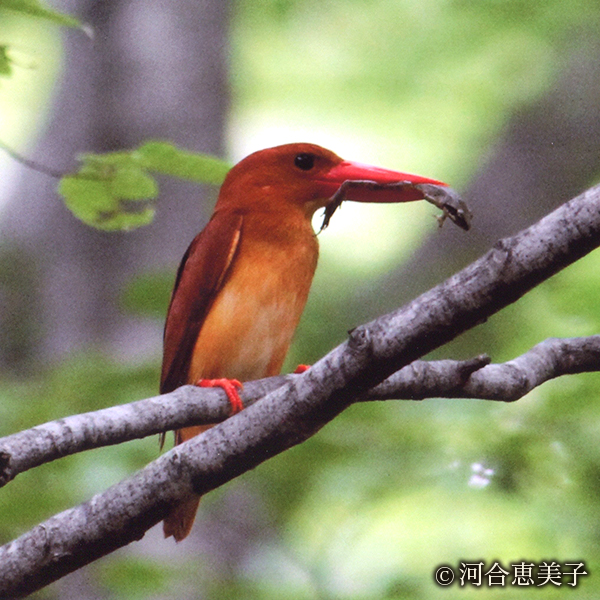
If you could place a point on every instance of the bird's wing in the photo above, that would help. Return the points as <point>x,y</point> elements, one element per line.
<point>200,276</point>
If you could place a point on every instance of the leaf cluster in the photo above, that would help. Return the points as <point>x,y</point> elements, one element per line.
<point>114,191</point>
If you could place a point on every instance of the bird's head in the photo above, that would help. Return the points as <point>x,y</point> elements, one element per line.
<point>308,176</point>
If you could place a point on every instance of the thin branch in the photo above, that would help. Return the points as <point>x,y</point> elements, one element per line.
<point>184,407</point>
<point>505,382</point>
<point>30,164</point>
<point>189,405</point>
<point>298,409</point>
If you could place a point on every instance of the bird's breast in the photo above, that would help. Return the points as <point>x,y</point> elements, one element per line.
<point>250,325</point>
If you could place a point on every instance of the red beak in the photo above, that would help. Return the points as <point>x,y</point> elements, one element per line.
<point>354,171</point>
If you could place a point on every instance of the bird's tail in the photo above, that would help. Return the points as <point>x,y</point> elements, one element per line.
<point>180,520</point>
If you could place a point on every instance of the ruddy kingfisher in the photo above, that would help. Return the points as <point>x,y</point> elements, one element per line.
<point>244,280</point>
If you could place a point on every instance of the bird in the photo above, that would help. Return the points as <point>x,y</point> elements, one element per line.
<point>243,282</point>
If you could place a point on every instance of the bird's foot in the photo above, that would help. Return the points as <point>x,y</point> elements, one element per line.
<point>301,369</point>
<point>230,387</point>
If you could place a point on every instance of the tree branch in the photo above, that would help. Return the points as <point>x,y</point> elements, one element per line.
<point>190,405</point>
<point>506,382</point>
<point>299,408</point>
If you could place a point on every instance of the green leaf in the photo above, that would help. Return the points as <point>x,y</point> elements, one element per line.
<point>129,183</point>
<point>165,158</point>
<point>110,194</point>
<point>35,8</point>
<point>112,191</point>
<point>5,62</point>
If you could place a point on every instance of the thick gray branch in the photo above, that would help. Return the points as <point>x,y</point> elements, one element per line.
<point>190,405</point>
<point>299,408</point>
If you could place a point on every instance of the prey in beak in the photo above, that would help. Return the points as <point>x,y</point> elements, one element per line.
<point>440,195</point>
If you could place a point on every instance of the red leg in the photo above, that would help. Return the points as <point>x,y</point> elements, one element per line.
<point>230,387</point>
<point>301,369</point>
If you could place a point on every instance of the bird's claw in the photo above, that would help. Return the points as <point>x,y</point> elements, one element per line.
<point>230,387</point>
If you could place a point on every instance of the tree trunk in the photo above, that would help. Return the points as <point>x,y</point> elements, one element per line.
<point>154,69</point>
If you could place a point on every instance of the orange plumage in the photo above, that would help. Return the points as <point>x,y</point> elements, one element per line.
<point>244,280</point>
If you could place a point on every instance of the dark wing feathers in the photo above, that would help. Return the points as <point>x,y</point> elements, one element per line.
<point>199,278</point>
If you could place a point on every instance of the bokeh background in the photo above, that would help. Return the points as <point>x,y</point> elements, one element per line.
<point>500,98</point>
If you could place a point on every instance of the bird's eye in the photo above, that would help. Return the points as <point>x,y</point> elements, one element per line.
<point>304,161</point>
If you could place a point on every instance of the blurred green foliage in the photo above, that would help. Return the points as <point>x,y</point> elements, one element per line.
<point>371,505</point>
<point>29,63</point>
<point>35,8</point>
<point>5,61</point>
<point>28,8</point>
